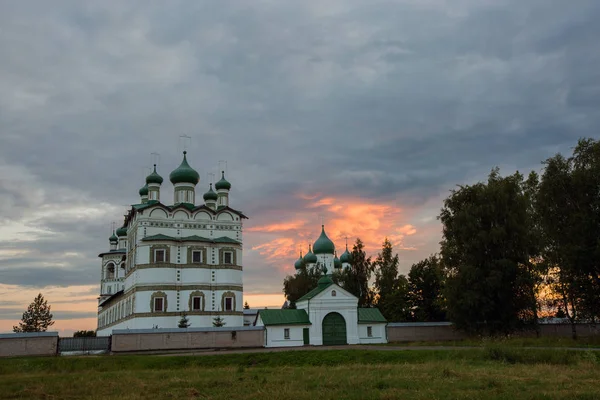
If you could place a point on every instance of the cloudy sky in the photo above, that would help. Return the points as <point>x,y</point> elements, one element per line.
<point>363,114</point>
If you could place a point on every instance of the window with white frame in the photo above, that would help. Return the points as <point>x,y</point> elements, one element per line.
<point>228,257</point>
<point>159,304</point>
<point>196,303</point>
<point>228,303</point>
<point>159,255</point>
<point>197,257</point>
<point>369,331</point>
<point>286,333</point>
<point>333,293</point>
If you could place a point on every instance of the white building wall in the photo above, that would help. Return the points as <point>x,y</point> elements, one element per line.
<point>378,333</point>
<point>275,336</point>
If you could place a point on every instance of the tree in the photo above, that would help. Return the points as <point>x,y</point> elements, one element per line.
<point>246,306</point>
<point>356,279</point>
<point>568,203</point>
<point>218,322</point>
<point>296,286</point>
<point>184,322</point>
<point>84,334</point>
<point>37,318</point>
<point>426,280</point>
<point>487,247</point>
<point>391,290</point>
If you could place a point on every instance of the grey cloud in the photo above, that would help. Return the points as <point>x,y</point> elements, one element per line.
<point>374,99</point>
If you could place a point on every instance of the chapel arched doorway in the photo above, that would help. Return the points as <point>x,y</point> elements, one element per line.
<point>334,329</point>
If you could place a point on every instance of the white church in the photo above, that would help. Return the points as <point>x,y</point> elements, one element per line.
<point>167,261</point>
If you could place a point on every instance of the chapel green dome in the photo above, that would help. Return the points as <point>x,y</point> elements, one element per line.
<point>211,194</point>
<point>323,245</point>
<point>324,280</point>
<point>113,238</point>
<point>346,257</point>
<point>144,191</point>
<point>223,183</point>
<point>299,263</point>
<point>122,231</point>
<point>154,177</point>
<point>336,262</point>
<point>310,257</point>
<point>184,173</point>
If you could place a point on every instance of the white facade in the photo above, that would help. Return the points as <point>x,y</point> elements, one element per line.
<point>174,260</point>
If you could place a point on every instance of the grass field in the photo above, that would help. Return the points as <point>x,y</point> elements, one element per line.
<point>586,342</point>
<point>490,373</point>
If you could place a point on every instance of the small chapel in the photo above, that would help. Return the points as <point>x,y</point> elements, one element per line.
<point>328,314</point>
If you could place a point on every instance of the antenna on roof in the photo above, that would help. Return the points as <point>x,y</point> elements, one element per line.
<point>184,142</point>
<point>211,177</point>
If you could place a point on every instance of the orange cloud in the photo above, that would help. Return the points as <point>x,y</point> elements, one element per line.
<point>278,227</point>
<point>344,217</point>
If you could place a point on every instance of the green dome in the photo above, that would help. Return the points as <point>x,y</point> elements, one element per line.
<point>113,238</point>
<point>154,177</point>
<point>323,245</point>
<point>122,231</point>
<point>346,257</point>
<point>310,258</point>
<point>223,184</point>
<point>337,263</point>
<point>210,195</point>
<point>144,191</point>
<point>299,263</point>
<point>184,173</point>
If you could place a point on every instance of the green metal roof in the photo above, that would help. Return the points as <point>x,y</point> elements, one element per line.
<point>323,284</point>
<point>184,173</point>
<point>211,194</point>
<point>154,177</point>
<point>370,315</point>
<point>284,317</point>
<point>193,238</point>
<point>323,245</point>
<point>144,190</point>
<point>223,183</point>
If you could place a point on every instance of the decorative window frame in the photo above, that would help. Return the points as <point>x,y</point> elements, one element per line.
<point>157,295</point>
<point>164,247</point>
<point>233,302</point>
<point>114,270</point>
<point>222,252</point>
<point>333,293</point>
<point>197,293</point>
<point>202,249</point>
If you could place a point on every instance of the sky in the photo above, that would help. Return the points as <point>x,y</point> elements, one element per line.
<point>361,115</point>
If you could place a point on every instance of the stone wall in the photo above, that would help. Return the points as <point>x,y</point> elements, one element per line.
<point>135,340</point>
<point>28,344</point>
<point>422,331</point>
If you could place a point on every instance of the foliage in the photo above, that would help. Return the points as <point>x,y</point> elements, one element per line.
<point>218,322</point>
<point>37,318</point>
<point>425,283</point>
<point>391,289</point>
<point>487,247</point>
<point>246,306</point>
<point>568,203</point>
<point>296,286</point>
<point>184,322</point>
<point>84,334</point>
<point>356,279</point>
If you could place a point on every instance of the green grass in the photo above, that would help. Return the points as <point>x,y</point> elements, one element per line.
<point>494,372</point>
<point>587,342</point>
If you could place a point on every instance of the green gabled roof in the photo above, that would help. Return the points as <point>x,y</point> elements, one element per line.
<point>370,315</point>
<point>225,239</point>
<point>195,238</point>
<point>323,284</point>
<point>284,317</point>
<point>160,236</point>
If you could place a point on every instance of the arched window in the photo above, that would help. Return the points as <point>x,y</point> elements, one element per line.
<point>110,271</point>
<point>333,293</point>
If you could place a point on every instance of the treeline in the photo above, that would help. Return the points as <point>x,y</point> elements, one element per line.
<point>513,249</point>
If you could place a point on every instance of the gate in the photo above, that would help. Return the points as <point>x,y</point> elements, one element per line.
<point>334,329</point>
<point>84,345</point>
